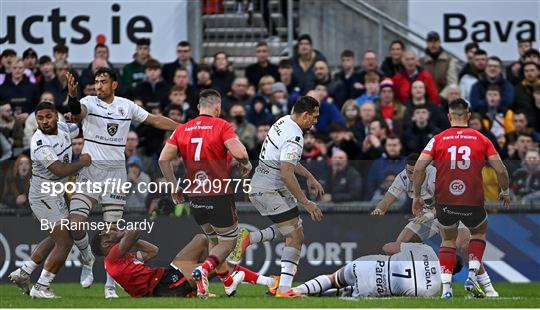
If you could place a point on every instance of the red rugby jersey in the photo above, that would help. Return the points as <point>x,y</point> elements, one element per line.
<point>459,154</point>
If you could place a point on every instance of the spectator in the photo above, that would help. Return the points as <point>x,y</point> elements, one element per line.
<point>369,64</point>
<point>259,112</point>
<point>17,185</point>
<point>383,189</point>
<point>181,79</point>
<point>135,198</point>
<point>520,124</point>
<point>46,69</point>
<point>411,72</point>
<point>418,98</point>
<point>12,127</point>
<point>343,139</point>
<point>351,112</point>
<point>262,67</point>
<point>392,63</point>
<point>5,149</point>
<point>390,161</point>
<point>518,151</point>
<point>348,75</point>
<point>303,61</point>
<point>134,72</point>
<point>58,85</point>
<point>30,125</point>
<point>264,88</point>
<point>524,99</point>
<point>493,75</point>
<point>514,73</point>
<point>286,76</point>
<point>496,120</point>
<point>223,75</point>
<point>262,132</point>
<point>329,113</point>
<point>246,131</point>
<point>154,91</point>
<point>477,122</point>
<point>18,91</point>
<point>372,89</point>
<point>238,94</point>
<point>6,61</point>
<point>526,180</point>
<point>390,109</point>
<point>279,100</point>
<point>30,66</point>
<point>534,110</point>
<point>490,183</point>
<point>77,145</point>
<point>422,130</point>
<point>183,60</point>
<point>454,92</point>
<point>133,153</point>
<point>367,115</point>
<point>470,77</point>
<point>373,144</point>
<point>60,52</point>
<point>101,51</point>
<point>345,182</point>
<point>470,51</point>
<point>204,81</point>
<point>439,64</point>
<point>336,90</point>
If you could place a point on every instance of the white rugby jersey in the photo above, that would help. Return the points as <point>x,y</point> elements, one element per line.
<point>402,185</point>
<point>284,142</point>
<point>45,150</point>
<point>414,271</point>
<point>106,126</point>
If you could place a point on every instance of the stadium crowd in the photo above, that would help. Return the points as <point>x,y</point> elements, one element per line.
<point>373,114</point>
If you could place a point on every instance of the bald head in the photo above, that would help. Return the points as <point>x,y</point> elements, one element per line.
<point>409,61</point>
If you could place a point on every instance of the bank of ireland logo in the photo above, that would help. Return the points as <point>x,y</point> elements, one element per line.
<point>265,248</point>
<point>6,258</point>
<point>457,187</point>
<point>112,128</point>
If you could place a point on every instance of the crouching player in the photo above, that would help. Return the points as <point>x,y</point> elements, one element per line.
<point>408,269</point>
<point>128,268</point>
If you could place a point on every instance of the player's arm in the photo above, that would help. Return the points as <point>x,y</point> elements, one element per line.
<point>129,239</point>
<point>160,122</point>
<point>311,181</point>
<point>78,110</point>
<point>168,154</point>
<point>61,169</point>
<point>290,181</point>
<point>384,204</point>
<point>419,175</point>
<point>146,249</point>
<point>239,153</point>
<point>502,177</point>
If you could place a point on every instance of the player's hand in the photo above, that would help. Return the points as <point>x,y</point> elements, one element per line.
<point>378,212</point>
<point>420,219</point>
<point>315,187</point>
<point>417,206</point>
<point>86,159</point>
<point>245,169</point>
<point>314,211</point>
<point>72,85</point>
<point>506,200</point>
<point>178,197</point>
<point>21,199</point>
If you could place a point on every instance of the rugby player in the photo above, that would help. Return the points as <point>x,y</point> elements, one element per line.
<point>206,145</point>
<point>275,190</point>
<point>408,269</point>
<point>126,256</point>
<point>459,154</point>
<point>50,151</point>
<point>106,120</point>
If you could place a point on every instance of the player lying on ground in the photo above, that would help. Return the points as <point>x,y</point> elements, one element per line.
<point>50,151</point>
<point>427,226</point>
<point>128,268</point>
<point>459,155</point>
<point>408,269</point>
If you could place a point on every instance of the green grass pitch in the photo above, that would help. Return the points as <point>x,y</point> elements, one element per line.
<point>251,296</point>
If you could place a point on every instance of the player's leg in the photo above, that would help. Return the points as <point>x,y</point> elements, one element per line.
<point>21,276</point>
<point>55,260</point>
<point>485,282</point>
<point>448,220</point>
<point>408,235</point>
<point>253,277</point>
<point>190,255</point>
<point>112,213</point>
<point>294,237</point>
<point>247,238</point>
<point>477,224</point>
<point>80,207</point>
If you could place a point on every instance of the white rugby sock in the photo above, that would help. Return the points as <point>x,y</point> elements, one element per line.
<point>29,266</point>
<point>289,263</point>
<point>264,280</point>
<point>474,265</point>
<point>485,281</point>
<point>45,278</point>
<point>110,281</point>
<point>315,286</point>
<point>268,234</point>
<point>446,279</point>
<point>84,247</point>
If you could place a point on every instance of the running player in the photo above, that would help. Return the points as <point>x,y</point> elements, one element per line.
<point>106,119</point>
<point>275,189</point>
<point>206,144</point>
<point>408,269</point>
<point>460,153</point>
<point>129,267</point>
<point>50,151</point>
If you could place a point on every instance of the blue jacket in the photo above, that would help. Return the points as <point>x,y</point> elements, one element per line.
<point>380,168</point>
<point>479,89</point>
<point>329,114</point>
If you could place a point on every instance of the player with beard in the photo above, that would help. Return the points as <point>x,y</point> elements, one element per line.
<point>106,121</point>
<point>50,150</point>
